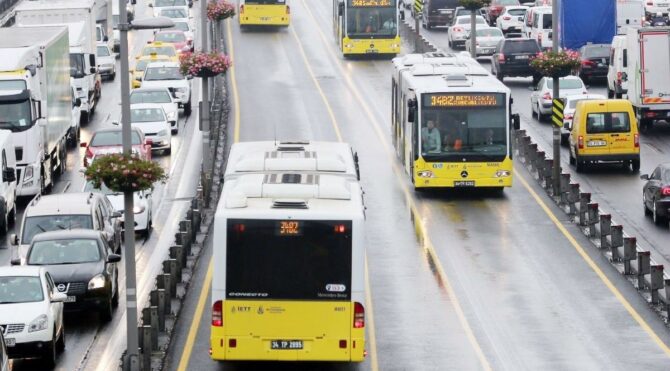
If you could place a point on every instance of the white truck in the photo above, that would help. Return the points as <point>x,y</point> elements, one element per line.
<point>83,66</point>
<point>648,72</point>
<point>35,102</point>
<point>629,13</point>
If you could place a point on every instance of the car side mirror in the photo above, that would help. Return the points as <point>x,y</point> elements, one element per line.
<point>93,70</point>
<point>113,258</point>
<point>150,5</point>
<point>116,214</point>
<point>14,239</point>
<point>77,102</point>
<point>190,4</point>
<point>58,297</point>
<point>115,123</point>
<point>105,38</point>
<point>133,2</point>
<point>15,261</point>
<point>644,176</point>
<point>9,175</point>
<point>172,122</point>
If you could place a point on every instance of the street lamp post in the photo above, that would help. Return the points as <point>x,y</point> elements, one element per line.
<point>556,170</point>
<point>132,360</point>
<point>204,107</point>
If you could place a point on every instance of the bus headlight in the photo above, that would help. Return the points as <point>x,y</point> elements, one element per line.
<point>502,174</point>
<point>425,174</point>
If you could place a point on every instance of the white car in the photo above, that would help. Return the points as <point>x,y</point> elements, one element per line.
<point>160,4</point>
<point>142,210</point>
<point>487,40</point>
<point>168,75</point>
<point>569,112</point>
<point>460,29</point>
<point>184,24</point>
<point>31,313</point>
<point>174,12</point>
<point>511,19</point>
<point>541,98</point>
<point>160,96</point>
<point>151,119</point>
<point>106,61</point>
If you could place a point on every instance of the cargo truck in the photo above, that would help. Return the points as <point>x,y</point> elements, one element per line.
<point>578,26</point>
<point>35,102</point>
<point>83,66</point>
<point>648,73</point>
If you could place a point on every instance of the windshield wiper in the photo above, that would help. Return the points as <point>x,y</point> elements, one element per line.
<point>40,227</point>
<point>11,123</point>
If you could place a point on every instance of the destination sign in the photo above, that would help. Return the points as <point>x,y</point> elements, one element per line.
<point>371,3</point>
<point>463,100</point>
<point>288,228</point>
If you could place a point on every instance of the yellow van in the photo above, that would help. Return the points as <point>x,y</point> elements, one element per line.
<point>604,131</point>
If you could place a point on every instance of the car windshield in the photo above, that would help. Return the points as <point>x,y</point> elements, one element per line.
<point>607,122</point>
<point>45,223</point>
<point>490,32</point>
<point>162,73</point>
<point>665,175</point>
<point>508,2</point>
<point>466,20</point>
<point>112,138</point>
<point>174,13</point>
<point>516,12</point>
<point>89,187</point>
<point>147,115</point>
<point>159,50</point>
<point>141,65</point>
<point>68,251</point>
<point>521,46</point>
<point>565,84</point>
<point>596,52</point>
<point>159,3</point>
<point>20,289</point>
<point>182,26</point>
<point>158,96</point>
<point>103,51</point>
<point>171,37</point>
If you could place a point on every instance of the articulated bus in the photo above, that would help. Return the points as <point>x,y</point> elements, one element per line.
<point>264,13</point>
<point>288,277</point>
<point>451,122</point>
<point>304,156</point>
<point>366,27</point>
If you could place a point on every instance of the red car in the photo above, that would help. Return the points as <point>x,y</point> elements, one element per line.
<point>107,141</point>
<point>177,38</point>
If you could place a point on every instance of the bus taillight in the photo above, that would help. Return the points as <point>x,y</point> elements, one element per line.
<point>359,315</point>
<point>288,9</point>
<point>340,228</point>
<point>242,9</point>
<point>217,314</point>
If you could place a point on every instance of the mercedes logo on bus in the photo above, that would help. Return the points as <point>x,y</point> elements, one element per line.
<point>464,174</point>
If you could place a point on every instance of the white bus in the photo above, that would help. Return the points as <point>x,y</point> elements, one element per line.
<point>305,156</point>
<point>288,278</point>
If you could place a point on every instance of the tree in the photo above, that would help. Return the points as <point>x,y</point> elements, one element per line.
<point>473,6</point>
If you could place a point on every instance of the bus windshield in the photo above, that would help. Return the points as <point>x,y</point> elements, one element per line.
<point>366,22</point>
<point>458,127</point>
<point>288,260</point>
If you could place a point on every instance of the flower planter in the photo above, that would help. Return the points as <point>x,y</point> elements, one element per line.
<point>219,10</point>
<point>124,173</point>
<point>206,72</point>
<point>556,64</point>
<point>204,64</point>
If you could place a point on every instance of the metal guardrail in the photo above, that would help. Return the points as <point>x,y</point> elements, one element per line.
<point>623,252</point>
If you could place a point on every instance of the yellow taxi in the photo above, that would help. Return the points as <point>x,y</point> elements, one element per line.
<point>160,48</point>
<point>604,130</point>
<point>141,65</point>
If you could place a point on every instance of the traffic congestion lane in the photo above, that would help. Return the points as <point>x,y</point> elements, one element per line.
<point>477,226</point>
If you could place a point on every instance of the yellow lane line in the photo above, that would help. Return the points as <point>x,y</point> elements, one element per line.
<point>197,319</point>
<point>428,246</point>
<point>336,127</point>
<point>233,83</point>
<point>318,86</point>
<point>580,250</point>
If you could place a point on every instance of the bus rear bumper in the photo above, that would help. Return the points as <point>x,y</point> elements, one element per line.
<point>463,183</point>
<point>265,21</point>
<point>257,349</point>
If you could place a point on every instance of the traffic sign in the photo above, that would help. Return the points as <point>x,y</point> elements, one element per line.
<point>557,105</point>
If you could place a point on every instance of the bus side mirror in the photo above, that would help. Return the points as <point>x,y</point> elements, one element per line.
<point>516,121</point>
<point>411,111</point>
<point>340,9</point>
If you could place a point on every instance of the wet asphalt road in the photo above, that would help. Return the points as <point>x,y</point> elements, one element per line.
<point>91,345</point>
<point>458,280</point>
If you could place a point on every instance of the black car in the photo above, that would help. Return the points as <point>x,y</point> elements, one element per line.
<point>595,61</point>
<point>82,265</point>
<point>512,58</point>
<point>437,13</point>
<point>656,193</point>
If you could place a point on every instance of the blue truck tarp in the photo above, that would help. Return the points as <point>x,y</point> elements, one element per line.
<point>584,21</point>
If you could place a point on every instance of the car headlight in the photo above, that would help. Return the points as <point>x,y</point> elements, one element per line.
<point>425,174</point>
<point>162,133</point>
<point>502,174</point>
<point>181,90</point>
<point>29,174</point>
<point>138,209</point>
<point>172,116</point>
<point>38,324</point>
<point>96,282</point>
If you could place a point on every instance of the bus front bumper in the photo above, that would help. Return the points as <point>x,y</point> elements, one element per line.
<point>371,46</point>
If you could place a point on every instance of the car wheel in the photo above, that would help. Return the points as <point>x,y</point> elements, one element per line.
<point>647,212</point>
<point>564,140</point>
<point>168,151</point>
<point>658,220</point>
<point>572,159</point>
<point>115,298</point>
<point>499,75</point>
<point>610,93</point>
<point>112,76</point>
<point>635,165</point>
<point>187,108</point>
<point>4,220</point>
<point>49,356</point>
<point>579,164</point>
<point>451,45</point>
<point>12,214</point>
<point>107,310</point>
<point>60,344</point>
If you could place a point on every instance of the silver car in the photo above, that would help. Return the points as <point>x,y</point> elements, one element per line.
<point>487,40</point>
<point>106,61</point>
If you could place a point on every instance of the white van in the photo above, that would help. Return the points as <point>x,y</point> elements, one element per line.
<point>7,181</point>
<point>617,78</point>
<point>528,19</point>
<point>76,115</point>
<point>540,29</point>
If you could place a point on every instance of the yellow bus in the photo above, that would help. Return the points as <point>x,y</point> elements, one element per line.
<point>288,278</point>
<point>451,122</point>
<point>264,13</point>
<point>366,27</point>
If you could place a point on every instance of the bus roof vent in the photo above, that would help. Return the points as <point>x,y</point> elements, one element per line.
<point>283,148</point>
<point>291,178</point>
<point>287,203</point>
<point>293,142</point>
<point>437,55</point>
<point>457,80</point>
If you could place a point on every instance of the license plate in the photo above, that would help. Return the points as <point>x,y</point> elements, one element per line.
<point>70,299</point>
<point>265,19</point>
<point>521,57</point>
<point>10,342</point>
<point>596,143</point>
<point>464,183</point>
<point>520,18</point>
<point>372,51</point>
<point>286,344</point>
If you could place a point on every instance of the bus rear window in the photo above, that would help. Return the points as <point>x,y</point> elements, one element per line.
<point>288,260</point>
